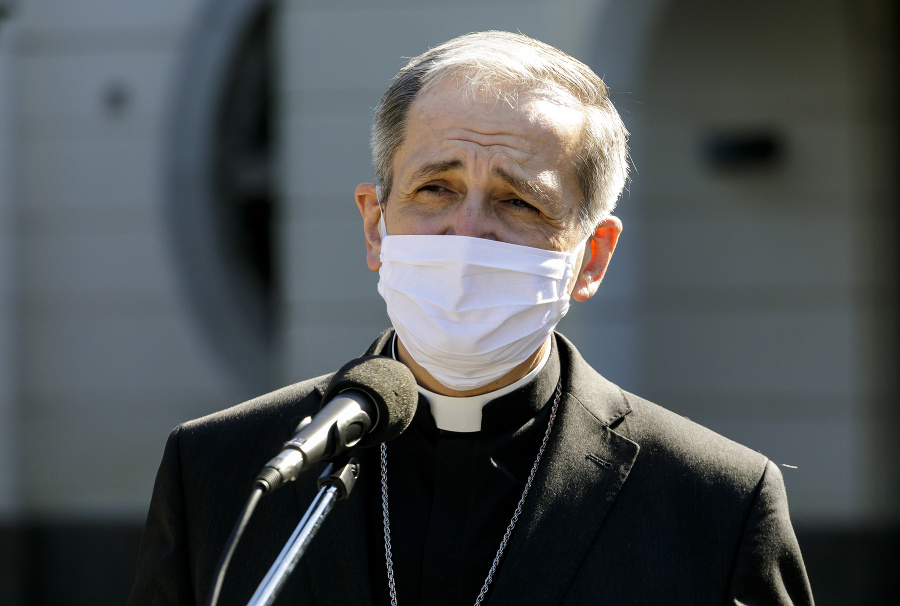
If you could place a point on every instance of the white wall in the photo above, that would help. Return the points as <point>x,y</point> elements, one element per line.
<point>111,358</point>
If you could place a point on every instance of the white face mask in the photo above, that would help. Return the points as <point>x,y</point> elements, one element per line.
<point>469,310</point>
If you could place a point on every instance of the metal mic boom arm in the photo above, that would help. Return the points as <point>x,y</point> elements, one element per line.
<point>335,484</point>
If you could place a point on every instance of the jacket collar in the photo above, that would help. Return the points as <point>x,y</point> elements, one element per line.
<point>600,397</point>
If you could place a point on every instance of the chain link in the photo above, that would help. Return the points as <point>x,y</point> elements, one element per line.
<point>387,526</point>
<point>509,529</point>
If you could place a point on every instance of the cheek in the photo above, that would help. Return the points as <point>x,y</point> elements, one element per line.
<point>404,223</point>
<point>423,226</point>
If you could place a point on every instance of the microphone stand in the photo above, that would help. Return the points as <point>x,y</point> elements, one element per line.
<point>335,484</point>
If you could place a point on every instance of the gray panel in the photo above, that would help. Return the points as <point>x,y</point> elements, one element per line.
<point>749,252</point>
<point>320,56</point>
<point>824,483</point>
<point>99,265</point>
<point>326,260</point>
<point>64,14</point>
<point>109,479</point>
<point>332,157</point>
<point>77,84</point>
<point>818,166</point>
<point>324,346</point>
<point>753,352</point>
<point>89,172</point>
<point>71,350</point>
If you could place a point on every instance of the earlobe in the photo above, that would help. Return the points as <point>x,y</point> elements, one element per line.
<point>597,254</point>
<point>370,209</point>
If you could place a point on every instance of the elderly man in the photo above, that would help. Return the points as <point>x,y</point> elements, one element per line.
<point>525,477</point>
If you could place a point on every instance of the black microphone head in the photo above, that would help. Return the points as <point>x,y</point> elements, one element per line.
<point>390,385</point>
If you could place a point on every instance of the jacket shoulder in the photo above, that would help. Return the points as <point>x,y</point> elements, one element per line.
<point>690,450</point>
<point>662,436</point>
<point>205,476</point>
<point>296,400</point>
<point>292,402</point>
<point>242,438</point>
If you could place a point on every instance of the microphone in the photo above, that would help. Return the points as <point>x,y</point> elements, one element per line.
<point>370,400</point>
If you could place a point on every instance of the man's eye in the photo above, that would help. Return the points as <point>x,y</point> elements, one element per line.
<point>434,189</point>
<point>519,203</point>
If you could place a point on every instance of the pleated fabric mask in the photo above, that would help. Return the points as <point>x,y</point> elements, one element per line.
<point>469,310</point>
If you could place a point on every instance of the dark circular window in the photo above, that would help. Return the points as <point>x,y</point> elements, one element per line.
<point>242,175</point>
<point>219,160</point>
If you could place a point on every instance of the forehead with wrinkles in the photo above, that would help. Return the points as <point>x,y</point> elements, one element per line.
<point>528,122</point>
<point>523,142</point>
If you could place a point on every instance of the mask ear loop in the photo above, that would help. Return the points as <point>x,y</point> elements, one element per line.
<point>588,249</point>
<point>383,229</point>
<point>381,224</point>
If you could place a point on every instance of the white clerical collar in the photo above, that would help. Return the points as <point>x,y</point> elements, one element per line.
<point>463,415</point>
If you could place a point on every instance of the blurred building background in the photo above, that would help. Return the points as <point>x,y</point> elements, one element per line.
<point>178,234</point>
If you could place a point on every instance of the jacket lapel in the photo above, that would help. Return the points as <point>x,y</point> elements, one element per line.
<point>580,475</point>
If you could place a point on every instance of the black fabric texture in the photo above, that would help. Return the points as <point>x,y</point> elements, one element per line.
<point>632,504</point>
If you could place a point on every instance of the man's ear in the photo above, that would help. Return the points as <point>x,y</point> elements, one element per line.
<point>370,209</point>
<point>597,253</point>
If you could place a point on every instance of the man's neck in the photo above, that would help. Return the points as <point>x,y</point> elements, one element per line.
<point>424,378</point>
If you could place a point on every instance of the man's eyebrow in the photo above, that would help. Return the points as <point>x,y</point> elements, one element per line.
<point>524,186</point>
<point>433,169</point>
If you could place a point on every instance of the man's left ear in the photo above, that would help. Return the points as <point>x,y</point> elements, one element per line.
<point>370,209</point>
<point>597,253</point>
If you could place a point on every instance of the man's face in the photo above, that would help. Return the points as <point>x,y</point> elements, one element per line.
<point>488,169</point>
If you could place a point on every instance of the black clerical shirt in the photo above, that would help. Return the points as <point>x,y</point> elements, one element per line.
<point>452,496</point>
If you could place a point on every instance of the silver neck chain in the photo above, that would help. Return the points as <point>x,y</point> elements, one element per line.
<point>509,529</point>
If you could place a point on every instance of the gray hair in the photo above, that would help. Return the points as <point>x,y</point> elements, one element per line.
<point>504,63</point>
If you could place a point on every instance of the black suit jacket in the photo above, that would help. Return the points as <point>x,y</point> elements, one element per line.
<point>632,504</point>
